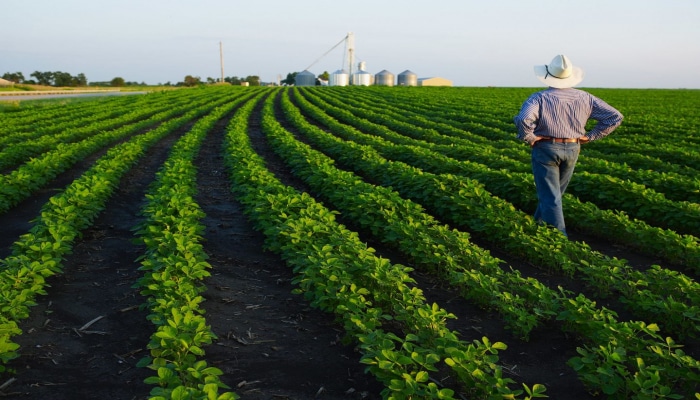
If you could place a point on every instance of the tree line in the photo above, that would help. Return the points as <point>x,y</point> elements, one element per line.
<point>64,79</point>
<point>48,78</point>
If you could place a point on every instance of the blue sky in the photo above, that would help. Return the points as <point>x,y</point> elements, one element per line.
<point>619,43</point>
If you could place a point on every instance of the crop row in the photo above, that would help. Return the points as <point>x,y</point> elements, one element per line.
<point>174,266</point>
<point>420,177</point>
<point>37,116</point>
<point>19,147</point>
<point>675,180</point>
<point>610,224</point>
<point>38,254</point>
<point>20,183</point>
<point>339,274</point>
<point>499,150</point>
<point>500,171</point>
<point>62,120</point>
<point>489,113</point>
<point>604,190</point>
<point>531,297</point>
<point>663,294</point>
<point>22,134</point>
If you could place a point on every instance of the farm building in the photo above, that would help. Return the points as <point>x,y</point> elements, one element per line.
<point>434,81</point>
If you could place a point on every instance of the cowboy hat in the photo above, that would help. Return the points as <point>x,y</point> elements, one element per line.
<point>559,73</point>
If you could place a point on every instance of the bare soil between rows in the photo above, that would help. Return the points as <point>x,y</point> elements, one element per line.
<point>86,335</point>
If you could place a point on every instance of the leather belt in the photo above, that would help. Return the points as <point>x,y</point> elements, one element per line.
<point>558,140</point>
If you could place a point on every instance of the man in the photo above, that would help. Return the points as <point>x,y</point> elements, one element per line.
<point>553,122</point>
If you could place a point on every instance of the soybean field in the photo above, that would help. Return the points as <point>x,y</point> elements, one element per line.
<point>352,242</point>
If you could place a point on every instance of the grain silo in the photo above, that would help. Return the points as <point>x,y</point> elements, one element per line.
<point>339,78</point>
<point>384,78</point>
<point>305,78</point>
<point>361,77</point>
<point>407,78</point>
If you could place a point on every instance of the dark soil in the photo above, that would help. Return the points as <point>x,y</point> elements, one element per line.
<point>86,335</point>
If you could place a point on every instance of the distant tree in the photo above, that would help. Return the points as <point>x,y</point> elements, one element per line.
<point>58,78</point>
<point>43,78</point>
<point>290,79</point>
<point>253,80</point>
<point>191,81</point>
<point>211,80</point>
<point>61,78</point>
<point>16,77</point>
<point>80,80</point>
<point>324,76</point>
<point>117,82</point>
<point>234,80</point>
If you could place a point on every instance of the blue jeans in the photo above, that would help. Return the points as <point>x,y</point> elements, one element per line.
<point>553,165</point>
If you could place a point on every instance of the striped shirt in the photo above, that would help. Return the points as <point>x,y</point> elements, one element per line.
<point>563,113</point>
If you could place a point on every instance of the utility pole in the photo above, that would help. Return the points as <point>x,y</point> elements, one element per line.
<point>221,56</point>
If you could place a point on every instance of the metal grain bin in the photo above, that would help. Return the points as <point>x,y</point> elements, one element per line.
<point>384,78</point>
<point>407,78</point>
<point>339,78</point>
<point>305,78</point>
<point>362,78</point>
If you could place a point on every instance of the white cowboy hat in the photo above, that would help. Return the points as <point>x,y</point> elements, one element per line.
<point>560,73</point>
